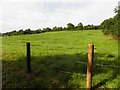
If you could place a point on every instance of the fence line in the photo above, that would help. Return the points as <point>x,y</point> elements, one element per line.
<point>111,66</point>
<point>101,65</point>
<point>89,64</point>
<point>70,73</point>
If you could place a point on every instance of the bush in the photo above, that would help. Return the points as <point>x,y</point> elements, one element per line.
<point>111,26</point>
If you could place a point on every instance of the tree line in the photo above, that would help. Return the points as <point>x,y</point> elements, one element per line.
<point>70,27</point>
<point>111,26</point>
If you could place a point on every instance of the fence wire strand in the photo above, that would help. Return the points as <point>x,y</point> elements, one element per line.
<point>101,65</point>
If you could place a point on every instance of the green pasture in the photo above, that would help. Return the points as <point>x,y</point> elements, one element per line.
<point>56,60</point>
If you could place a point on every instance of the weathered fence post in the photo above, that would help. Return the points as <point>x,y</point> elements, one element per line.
<point>28,57</point>
<point>89,66</point>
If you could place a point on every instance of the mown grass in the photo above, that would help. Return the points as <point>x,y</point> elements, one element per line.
<point>55,60</point>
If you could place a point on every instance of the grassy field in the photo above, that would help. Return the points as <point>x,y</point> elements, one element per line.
<point>56,60</point>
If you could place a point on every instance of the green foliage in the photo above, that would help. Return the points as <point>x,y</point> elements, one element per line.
<point>91,27</point>
<point>111,26</point>
<point>28,31</point>
<point>79,26</point>
<point>46,29</point>
<point>70,26</point>
<point>57,28</point>
<point>20,32</point>
<point>38,31</point>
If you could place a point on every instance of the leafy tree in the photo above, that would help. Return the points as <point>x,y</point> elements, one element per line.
<point>46,29</point>
<point>79,26</point>
<point>116,9</point>
<point>64,28</point>
<point>112,25</point>
<point>14,33</point>
<point>57,28</point>
<point>88,27</point>
<point>38,31</point>
<point>91,27</point>
<point>27,31</point>
<point>70,26</point>
<point>20,32</point>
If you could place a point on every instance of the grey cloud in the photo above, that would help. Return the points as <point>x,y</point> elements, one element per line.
<point>22,15</point>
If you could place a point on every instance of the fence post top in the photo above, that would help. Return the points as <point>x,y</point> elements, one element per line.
<point>91,44</point>
<point>28,42</point>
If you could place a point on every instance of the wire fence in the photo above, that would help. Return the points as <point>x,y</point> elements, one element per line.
<point>100,60</point>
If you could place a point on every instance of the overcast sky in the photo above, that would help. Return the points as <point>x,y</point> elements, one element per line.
<point>34,14</point>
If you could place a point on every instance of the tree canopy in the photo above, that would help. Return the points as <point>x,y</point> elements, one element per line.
<point>111,26</point>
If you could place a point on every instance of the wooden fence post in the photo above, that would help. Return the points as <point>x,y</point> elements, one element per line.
<point>89,66</point>
<point>28,57</point>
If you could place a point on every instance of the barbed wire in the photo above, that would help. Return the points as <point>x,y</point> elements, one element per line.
<point>101,65</point>
<point>111,66</point>
<point>70,73</point>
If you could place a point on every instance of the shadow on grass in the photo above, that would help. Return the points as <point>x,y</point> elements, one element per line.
<point>109,64</point>
<point>57,71</point>
<point>104,81</point>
